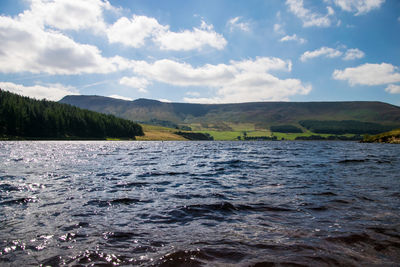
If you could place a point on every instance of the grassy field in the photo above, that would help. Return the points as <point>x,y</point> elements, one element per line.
<point>252,132</point>
<point>233,135</point>
<point>158,133</point>
<point>237,130</point>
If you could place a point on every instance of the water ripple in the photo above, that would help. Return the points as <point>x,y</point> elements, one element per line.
<point>199,204</point>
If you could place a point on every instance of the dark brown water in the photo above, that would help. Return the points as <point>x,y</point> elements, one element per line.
<point>199,203</point>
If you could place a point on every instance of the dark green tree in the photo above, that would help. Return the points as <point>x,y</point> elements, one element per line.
<point>28,118</point>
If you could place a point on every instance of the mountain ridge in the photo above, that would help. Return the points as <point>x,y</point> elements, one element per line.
<point>261,114</point>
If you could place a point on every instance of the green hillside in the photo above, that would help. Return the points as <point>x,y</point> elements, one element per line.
<point>228,121</point>
<point>392,137</point>
<point>26,118</point>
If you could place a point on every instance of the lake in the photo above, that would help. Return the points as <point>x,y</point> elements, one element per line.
<point>199,203</point>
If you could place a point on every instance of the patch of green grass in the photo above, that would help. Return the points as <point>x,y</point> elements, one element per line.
<point>159,133</point>
<point>162,133</point>
<point>242,126</point>
<point>233,135</point>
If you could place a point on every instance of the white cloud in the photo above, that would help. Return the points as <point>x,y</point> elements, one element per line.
<point>246,80</point>
<point>309,18</point>
<point>135,82</point>
<point>134,32</point>
<point>195,94</point>
<point>68,15</point>
<point>278,28</point>
<point>52,92</point>
<point>369,74</point>
<point>323,51</point>
<point>330,10</point>
<point>359,7</point>
<point>121,97</point>
<point>353,53</point>
<point>142,90</point>
<point>236,24</point>
<point>183,74</point>
<point>393,89</point>
<point>164,100</point>
<point>26,46</point>
<point>190,40</point>
<point>293,37</point>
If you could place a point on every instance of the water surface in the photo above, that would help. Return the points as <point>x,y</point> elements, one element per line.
<point>199,203</point>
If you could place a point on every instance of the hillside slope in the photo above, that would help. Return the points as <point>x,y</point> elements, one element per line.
<point>392,137</point>
<point>260,114</point>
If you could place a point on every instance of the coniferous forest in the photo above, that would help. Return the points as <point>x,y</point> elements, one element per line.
<point>23,117</point>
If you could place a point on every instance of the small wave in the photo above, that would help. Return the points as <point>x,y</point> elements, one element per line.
<point>52,261</point>
<point>182,258</point>
<point>227,207</point>
<point>366,198</point>
<point>8,187</point>
<point>319,208</point>
<point>152,174</point>
<point>200,257</point>
<point>94,258</point>
<point>392,232</point>
<point>224,206</point>
<point>178,165</point>
<point>278,263</point>
<point>351,238</point>
<point>117,201</point>
<point>383,161</point>
<point>75,226</point>
<point>163,183</point>
<point>132,184</point>
<point>71,237</point>
<point>263,208</point>
<point>235,163</point>
<point>328,193</point>
<point>19,201</point>
<point>7,177</point>
<point>102,174</point>
<point>346,161</point>
<point>341,201</point>
<point>124,174</point>
<point>119,236</point>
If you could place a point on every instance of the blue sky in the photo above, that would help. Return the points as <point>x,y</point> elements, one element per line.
<point>203,51</point>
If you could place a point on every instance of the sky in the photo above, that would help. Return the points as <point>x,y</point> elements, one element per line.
<point>202,51</point>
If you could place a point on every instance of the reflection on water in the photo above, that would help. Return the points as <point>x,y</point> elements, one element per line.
<point>199,203</point>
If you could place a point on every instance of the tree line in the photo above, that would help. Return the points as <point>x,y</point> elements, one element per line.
<point>285,129</point>
<point>28,118</point>
<point>346,126</point>
<point>195,136</point>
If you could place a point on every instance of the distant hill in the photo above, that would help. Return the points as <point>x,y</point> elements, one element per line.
<point>262,115</point>
<point>26,118</point>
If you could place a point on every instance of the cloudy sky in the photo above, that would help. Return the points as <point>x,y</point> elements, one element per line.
<point>202,51</point>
